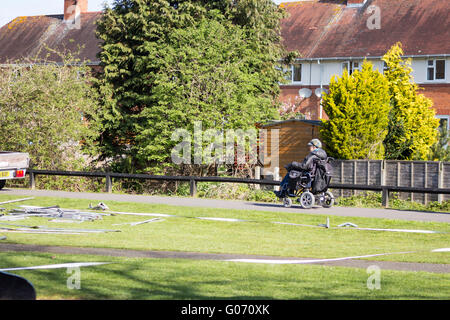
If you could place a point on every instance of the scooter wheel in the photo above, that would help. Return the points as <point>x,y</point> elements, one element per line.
<point>287,202</point>
<point>307,200</point>
<point>328,200</point>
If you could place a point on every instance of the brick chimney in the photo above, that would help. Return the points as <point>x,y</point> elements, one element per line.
<point>69,10</point>
<point>356,3</point>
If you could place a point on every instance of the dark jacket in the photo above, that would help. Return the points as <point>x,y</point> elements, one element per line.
<point>308,162</point>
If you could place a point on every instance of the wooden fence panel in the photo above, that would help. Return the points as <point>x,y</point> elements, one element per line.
<point>396,173</point>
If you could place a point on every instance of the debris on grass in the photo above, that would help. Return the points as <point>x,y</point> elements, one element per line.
<point>348,224</point>
<point>12,218</point>
<point>326,225</point>
<point>140,214</point>
<point>57,220</point>
<point>56,212</point>
<point>43,229</point>
<point>16,200</point>
<point>100,206</point>
<point>139,222</point>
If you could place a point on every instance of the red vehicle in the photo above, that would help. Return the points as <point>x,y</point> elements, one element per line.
<point>13,165</point>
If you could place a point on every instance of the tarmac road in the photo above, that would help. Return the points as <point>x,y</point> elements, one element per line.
<point>241,205</point>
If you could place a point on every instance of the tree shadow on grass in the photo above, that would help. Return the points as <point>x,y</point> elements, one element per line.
<point>155,279</point>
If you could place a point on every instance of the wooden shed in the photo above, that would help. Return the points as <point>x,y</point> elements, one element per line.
<point>291,145</point>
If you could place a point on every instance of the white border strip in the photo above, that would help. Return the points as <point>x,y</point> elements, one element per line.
<point>267,261</point>
<point>58,266</point>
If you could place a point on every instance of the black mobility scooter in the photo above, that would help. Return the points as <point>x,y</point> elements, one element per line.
<point>308,188</point>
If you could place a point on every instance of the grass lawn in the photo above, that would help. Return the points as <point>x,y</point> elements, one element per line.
<point>184,233</point>
<point>189,279</point>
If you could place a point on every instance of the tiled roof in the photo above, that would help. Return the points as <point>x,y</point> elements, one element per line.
<point>329,28</point>
<point>25,36</point>
<point>316,29</point>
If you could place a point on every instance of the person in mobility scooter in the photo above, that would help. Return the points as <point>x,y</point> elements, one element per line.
<point>309,180</point>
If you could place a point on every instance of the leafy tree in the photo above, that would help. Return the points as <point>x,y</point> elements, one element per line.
<point>357,106</point>
<point>49,111</point>
<point>412,122</point>
<point>440,150</point>
<point>170,63</point>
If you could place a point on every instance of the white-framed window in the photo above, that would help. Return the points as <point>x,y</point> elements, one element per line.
<point>293,73</point>
<point>436,70</point>
<point>350,66</point>
<point>296,72</point>
<point>385,67</point>
<point>444,120</point>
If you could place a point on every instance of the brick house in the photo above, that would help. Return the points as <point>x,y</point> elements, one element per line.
<point>333,36</point>
<point>330,35</point>
<point>26,36</point>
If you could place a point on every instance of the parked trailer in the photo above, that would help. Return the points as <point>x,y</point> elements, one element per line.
<point>13,165</point>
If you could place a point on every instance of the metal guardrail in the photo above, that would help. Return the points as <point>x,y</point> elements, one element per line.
<point>194,179</point>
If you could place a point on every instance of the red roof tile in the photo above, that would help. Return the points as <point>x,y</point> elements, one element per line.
<point>25,36</point>
<point>316,29</point>
<point>327,28</point>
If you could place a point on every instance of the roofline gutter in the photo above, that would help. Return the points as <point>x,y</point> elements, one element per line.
<point>444,55</point>
<point>276,122</point>
<point>59,64</point>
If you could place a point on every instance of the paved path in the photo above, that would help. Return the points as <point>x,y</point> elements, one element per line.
<point>352,263</point>
<point>242,205</point>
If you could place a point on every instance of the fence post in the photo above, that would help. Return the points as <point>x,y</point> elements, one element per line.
<point>385,197</point>
<point>32,179</point>
<point>258,177</point>
<point>412,180</point>
<point>440,180</point>
<point>383,173</point>
<point>193,187</point>
<point>342,177</point>
<point>276,177</point>
<point>108,184</point>
<point>425,183</point>
<point>368,172</point>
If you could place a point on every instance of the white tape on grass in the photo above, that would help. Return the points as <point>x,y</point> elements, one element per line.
<point>400,230</point>
<point>141,214</point>
<point>58,266</point>
<point>139,222</point>
<point>221,219</point>
<point>296,224</point>
<point>308,261</point>
<point>41,232</point>
<point>441,250</point>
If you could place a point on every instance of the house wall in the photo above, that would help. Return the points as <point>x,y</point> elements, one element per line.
<point>317,74</point>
